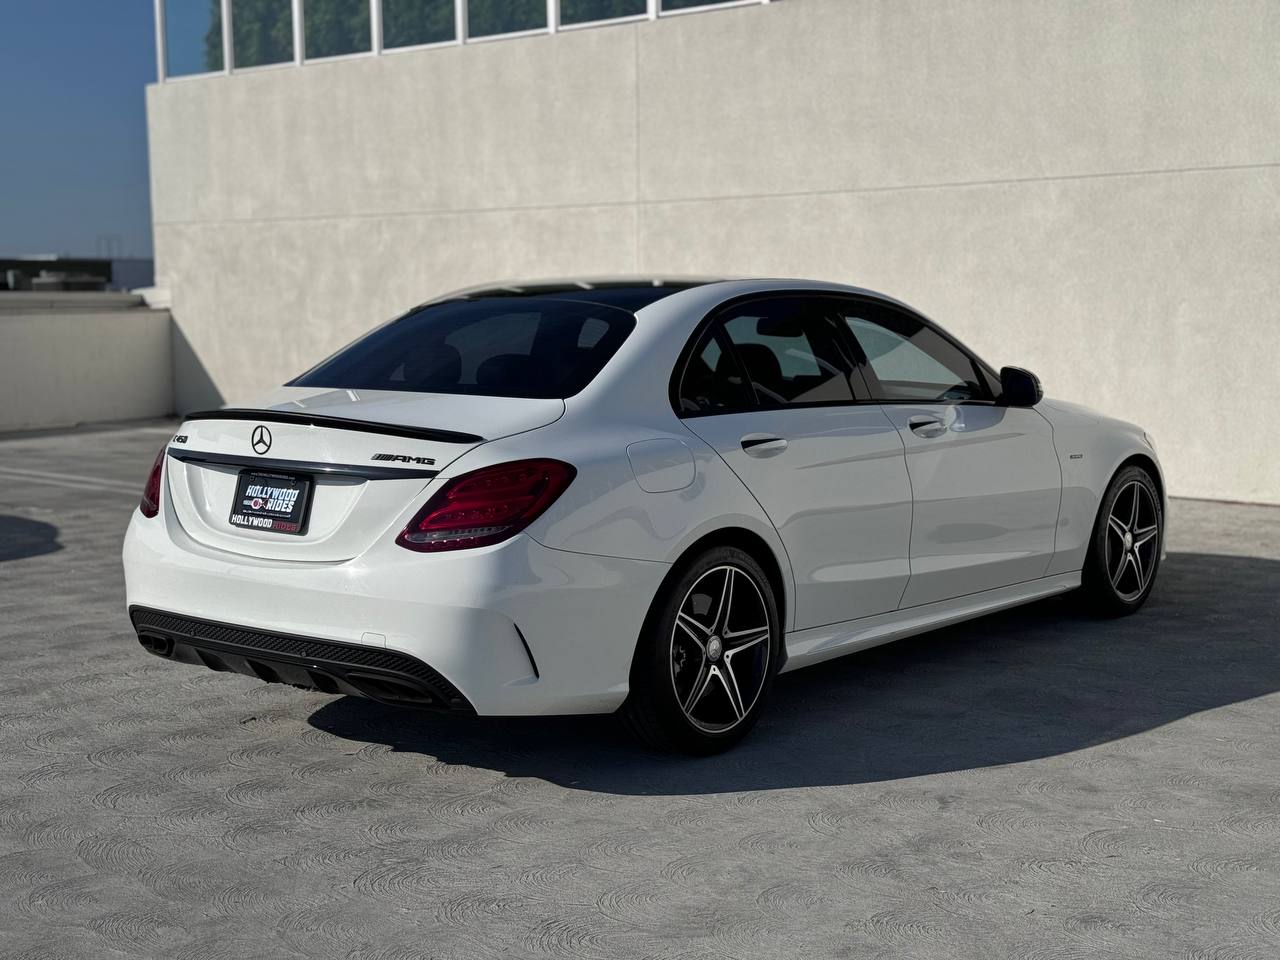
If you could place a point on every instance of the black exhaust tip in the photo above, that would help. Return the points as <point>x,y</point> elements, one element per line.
<point>160,646</point>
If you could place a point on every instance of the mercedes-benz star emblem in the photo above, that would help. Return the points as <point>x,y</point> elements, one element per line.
<point>261,440</point>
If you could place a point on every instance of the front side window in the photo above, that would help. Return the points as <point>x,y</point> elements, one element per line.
<point>909,360</point>
<point>499,347</point>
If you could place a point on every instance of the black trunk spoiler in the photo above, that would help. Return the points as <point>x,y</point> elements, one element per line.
<point>336,423</point>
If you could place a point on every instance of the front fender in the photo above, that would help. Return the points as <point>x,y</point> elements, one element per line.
<point>1091,448</point>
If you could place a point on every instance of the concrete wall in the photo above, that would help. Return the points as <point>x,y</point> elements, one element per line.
<point>1090,189</point>
<point>69,358</point>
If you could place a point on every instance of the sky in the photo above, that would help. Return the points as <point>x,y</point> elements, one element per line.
<point>73,135</point>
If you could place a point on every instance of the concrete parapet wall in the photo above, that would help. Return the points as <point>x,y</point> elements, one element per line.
<point>65,361</point>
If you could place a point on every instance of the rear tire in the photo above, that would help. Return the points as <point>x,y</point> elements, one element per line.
<point>705,663</point>
<point>1124,554</point>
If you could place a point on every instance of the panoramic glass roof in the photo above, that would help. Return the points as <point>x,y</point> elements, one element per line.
<point>627,293</point>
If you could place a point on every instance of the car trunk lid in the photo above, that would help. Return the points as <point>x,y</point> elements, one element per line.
<point>364,458</point>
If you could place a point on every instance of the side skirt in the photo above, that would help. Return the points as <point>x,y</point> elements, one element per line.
<point>816,644</point>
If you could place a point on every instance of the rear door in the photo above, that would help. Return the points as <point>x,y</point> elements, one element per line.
<point>985,477</point>
<point>771,388</point>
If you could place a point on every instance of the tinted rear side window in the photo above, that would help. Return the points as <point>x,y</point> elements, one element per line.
<point>712,381</point>
<point>769,353</point>
<point>500,347</point>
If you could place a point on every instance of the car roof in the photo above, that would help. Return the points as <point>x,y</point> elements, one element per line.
<point>637,293</point>
<point>630,293</point>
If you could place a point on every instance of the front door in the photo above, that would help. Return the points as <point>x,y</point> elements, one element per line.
<point>985,477</point>
<point>772,387</point>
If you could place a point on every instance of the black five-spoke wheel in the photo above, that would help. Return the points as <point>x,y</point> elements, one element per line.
<point>705,664</point>
<point>1125,552</point>
<point>720,648</point>
<point>1132,540</point>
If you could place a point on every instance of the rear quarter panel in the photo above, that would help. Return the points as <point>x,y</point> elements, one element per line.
<point>606,512</point>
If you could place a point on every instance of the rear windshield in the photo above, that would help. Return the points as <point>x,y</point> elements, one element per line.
<point>498,347</point>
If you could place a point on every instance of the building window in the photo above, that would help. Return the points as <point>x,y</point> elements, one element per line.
<point>487,18</point>
<point>192,37</point>
<point>334,28</point>
<point>412,23</point>
<point>687,4</point>
<point>261,32</point>
<point>584,11</point>
<point>193,33</point>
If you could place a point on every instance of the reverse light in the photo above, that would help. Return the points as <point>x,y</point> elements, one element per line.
<point>150,503</point>
<point>486,506</point>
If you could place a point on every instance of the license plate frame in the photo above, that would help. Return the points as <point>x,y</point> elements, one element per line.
<point>265,501</point>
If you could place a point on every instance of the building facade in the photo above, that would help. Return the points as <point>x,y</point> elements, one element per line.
<point>1090,189</point>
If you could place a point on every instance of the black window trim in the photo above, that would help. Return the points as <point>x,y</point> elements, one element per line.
<point>845,343</point>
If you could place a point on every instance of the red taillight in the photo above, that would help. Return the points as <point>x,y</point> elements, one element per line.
<point>150,504</point>
<point>487,505</point>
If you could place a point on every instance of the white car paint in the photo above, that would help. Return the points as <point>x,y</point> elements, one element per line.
<point>847,540</point>
<point>986,487</point>
<point>878,530</point>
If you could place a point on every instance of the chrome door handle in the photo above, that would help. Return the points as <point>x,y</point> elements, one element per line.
<point>762,445</point>
<point>927,426</point>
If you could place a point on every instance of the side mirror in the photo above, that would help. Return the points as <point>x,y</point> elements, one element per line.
<point>1019,388</point>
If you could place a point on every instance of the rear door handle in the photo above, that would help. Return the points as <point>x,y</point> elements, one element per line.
<point>762,445</point>
<point>927,426</point>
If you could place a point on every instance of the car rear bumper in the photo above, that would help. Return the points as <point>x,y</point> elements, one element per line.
<point>385,675</point>
<point>510,630</point>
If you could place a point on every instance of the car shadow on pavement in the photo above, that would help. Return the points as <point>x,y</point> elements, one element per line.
<point>1038,681</point>
<point>21,538</point>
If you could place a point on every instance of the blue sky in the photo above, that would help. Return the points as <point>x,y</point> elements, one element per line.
<point>73,137</point>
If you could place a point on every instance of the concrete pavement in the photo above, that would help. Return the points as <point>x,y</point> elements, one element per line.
<point>1033,785</point>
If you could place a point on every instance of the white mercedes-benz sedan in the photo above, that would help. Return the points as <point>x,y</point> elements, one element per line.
<point>648,497</point>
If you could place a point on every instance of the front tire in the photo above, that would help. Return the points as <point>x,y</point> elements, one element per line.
<point>706,661</point>
<point>1124,554</point>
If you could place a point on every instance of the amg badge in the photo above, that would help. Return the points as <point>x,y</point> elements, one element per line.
<point>401,458</point>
